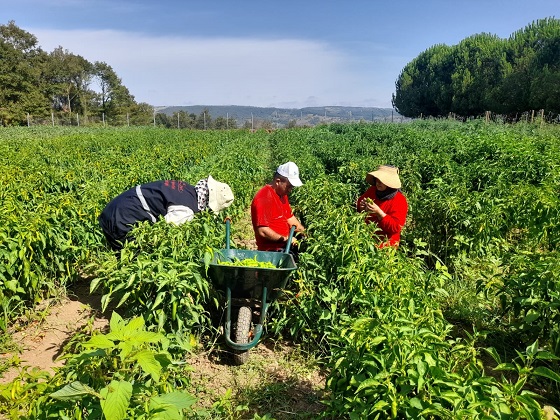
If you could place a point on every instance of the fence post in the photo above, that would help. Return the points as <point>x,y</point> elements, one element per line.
<point>78,119</point>
<point>127,120</point>
<point>28,123</point>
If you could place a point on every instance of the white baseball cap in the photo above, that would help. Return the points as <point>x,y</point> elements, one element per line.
<point>290,171</point>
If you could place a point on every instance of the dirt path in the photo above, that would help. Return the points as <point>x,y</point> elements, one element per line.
<point>42,339</point>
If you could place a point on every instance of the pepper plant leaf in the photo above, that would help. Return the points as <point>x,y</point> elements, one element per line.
<point>116,398</point>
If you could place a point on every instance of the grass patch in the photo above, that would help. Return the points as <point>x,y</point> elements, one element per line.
<point>278,382</point>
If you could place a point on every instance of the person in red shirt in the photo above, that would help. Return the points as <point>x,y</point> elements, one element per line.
<point>388,206</point>
<point>271,214</point>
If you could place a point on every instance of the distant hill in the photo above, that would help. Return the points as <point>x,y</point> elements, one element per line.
<point>280,117</point>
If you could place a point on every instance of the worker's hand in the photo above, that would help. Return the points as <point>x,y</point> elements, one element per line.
<point>362,205</point>
<point>373,208</point>
<point>370,206</point>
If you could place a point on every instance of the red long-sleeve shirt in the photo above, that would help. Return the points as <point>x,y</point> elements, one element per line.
<point>395,209</point>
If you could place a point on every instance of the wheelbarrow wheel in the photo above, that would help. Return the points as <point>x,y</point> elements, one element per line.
<point>242,331</point>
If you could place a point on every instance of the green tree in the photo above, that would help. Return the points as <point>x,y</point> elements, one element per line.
<point>163,119</point>
<point>485,73</point>
<point>424,85</point>
<point>479,66</point>
<point>221,123</point>
<point>204,120</point>
<point>141,114</point>
<point>545,66</point>
<point>182,119</point>
<point>115,100</point>
<point>70,76</point>
<point>21,76</point>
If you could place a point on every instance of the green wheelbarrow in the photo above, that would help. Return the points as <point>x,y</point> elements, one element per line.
<point>248,290</point>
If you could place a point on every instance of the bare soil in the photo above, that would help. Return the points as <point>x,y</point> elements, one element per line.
<point>41,336</point>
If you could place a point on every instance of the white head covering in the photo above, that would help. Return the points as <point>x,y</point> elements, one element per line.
<point>290,171</point>
<point>220,195</point>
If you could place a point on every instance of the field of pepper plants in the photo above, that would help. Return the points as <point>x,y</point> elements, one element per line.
<point>461,322</point>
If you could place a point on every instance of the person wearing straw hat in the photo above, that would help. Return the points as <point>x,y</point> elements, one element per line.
<point>384,203</point>
<point>271,213</point>
<point>176,201</point>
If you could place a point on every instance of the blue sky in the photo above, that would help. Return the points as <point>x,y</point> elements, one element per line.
<point>288,54</point>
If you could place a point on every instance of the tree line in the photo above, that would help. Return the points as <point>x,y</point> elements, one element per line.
<point>60,83</point>
<point>37,87</point>
<point>203,121</point>
<point>485,73</point>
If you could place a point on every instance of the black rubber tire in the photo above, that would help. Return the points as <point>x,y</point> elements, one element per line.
<point>242,330</point>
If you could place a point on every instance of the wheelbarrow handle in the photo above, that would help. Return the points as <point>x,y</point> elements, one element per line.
<point>289,243</point>
<point>228,222</point>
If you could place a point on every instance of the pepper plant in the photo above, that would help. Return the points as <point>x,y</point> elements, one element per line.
<point>126,373</point>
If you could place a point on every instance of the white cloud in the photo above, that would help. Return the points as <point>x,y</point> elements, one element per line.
<point>217,71</point>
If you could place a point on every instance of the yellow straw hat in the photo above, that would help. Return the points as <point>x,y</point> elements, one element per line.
<point>387,174</point>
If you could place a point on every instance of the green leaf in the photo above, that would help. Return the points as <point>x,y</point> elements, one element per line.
<point>546,355</point>
<point>148,363</point>
<point>123,299</point>
<point>531,316</point>
<point>143,337</point>
<point>378,340</point>
<point>74,391</point>
<point>125,348</point>
<point>547,373</point>
<point>159,298</point>
<point>368,383</point>
<point>94,284</point>
<point>533,348</point>
<point>131,280</point>
<point>380,405</point>
<point>105,299</point>
<point>492,352</point>
<point>99,341</point>
<point>415,403</point>
<point>176,400</point>
<point>116,322</point>
<point>135,324</point>
<point>11,285</point>
<point>116,398</point>
<point>505,366</point>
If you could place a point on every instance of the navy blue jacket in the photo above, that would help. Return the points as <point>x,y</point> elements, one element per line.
<point>124,211</point>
